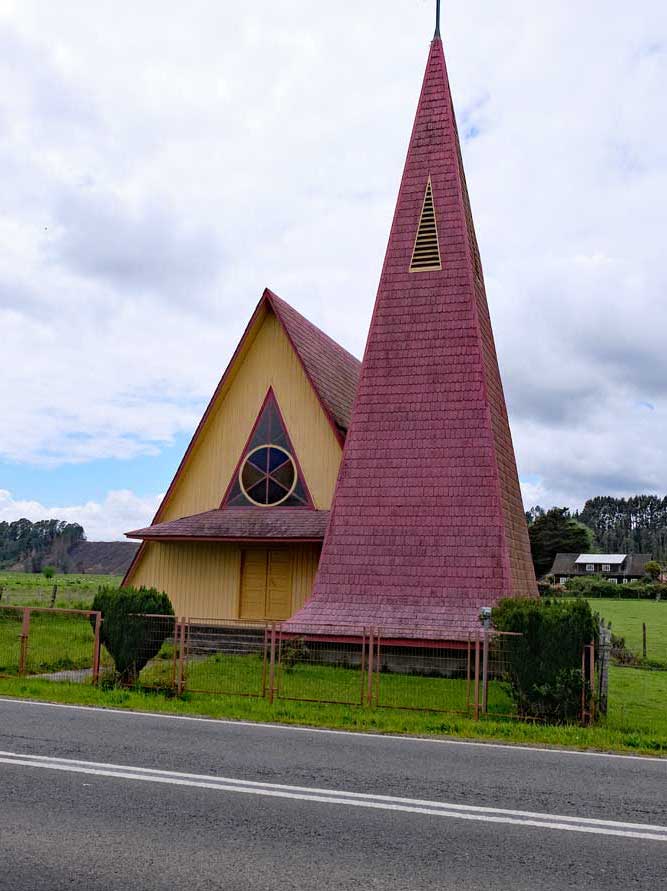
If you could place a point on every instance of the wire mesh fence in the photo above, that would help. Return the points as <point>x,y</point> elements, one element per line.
<point>322,665</point>
<point>57,645</point>
<point>226,657</point>
<point>427,670</point>
<point>418,669</point>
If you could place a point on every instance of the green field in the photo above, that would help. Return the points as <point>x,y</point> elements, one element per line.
<point>32,589</point>
<point>626,617</point>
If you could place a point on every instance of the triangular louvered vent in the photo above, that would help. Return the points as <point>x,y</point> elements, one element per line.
<point>426,253</point>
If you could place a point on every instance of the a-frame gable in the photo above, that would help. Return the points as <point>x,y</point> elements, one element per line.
<point>266,357</point>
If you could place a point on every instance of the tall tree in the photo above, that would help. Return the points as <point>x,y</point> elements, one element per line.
<point>554,532</point>
<point>628,525</point>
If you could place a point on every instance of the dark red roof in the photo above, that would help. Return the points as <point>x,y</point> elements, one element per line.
<point>333,372</point>
<point>244,523</point>
<point>427,523</point>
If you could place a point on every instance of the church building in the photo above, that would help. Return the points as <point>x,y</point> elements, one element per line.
<point>331,493</point>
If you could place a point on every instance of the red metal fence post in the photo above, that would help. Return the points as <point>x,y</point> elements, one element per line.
<point>272,664</point>
<point>96,649</point>
<point>476,706</point>
<point>265,657</point>
<point>25,634</point>
<point>363,665</point>
<point>371,659</point>
<point>468,674</point>
<point>181,659</point>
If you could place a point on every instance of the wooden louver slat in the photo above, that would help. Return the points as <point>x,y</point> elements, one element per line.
<point>426,252</point>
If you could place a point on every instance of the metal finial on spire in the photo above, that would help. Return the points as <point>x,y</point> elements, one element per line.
<point>437,19</point>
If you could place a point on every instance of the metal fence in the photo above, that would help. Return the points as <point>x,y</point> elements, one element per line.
<point>421,669</point>
<point>54,644</point>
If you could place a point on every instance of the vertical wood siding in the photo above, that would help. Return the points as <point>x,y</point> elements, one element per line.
<point>203,580</point>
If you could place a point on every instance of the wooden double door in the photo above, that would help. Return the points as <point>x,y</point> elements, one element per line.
<point>266,583</point>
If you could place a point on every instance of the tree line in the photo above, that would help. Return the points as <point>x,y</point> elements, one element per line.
<point>606,525</point>
<point>29,546</point>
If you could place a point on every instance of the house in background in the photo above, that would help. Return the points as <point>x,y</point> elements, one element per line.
<point>616,568</point>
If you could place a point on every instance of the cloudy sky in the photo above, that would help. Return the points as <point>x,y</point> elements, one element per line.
<point>163,162</point>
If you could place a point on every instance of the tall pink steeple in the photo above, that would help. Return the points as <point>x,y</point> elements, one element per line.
<point>427,523</point>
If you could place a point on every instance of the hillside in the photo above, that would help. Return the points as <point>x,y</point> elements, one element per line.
<point>102,557</point>
<point>29,547</point>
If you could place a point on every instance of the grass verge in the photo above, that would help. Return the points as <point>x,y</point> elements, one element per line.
<point>617,734</point>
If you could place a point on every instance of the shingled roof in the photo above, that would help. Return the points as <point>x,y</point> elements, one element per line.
<point>427,523</point>
<point>333,372</point>
<point>241,523</point>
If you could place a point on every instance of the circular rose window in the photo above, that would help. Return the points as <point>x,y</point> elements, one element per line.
<point>268,475</point>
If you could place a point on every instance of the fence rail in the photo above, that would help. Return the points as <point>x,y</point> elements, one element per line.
<point>422,669</point>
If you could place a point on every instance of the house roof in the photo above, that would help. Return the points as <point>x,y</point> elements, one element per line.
<point>333,372</point>
<point>567,564</point>
<point>601,558</point>
<point>241,523</point>
<point>427,523</point>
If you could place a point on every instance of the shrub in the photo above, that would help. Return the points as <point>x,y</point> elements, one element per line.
<point>596,586</point>
<point>132,630</point>
<point>48,572</point>
<point>544,663</point>
<point>653,570</point>
<point>294,650</point>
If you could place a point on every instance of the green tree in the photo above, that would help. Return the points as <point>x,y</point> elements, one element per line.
<point>653,569</point>
<point>543,660</point>
<point>556,532</point>
<point>48,572</point>
<point>135,624</point>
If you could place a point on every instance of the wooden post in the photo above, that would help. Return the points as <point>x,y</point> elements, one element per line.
<point>25,634</point>
<point>1,592</point>
<point>591,670</point>
<point>53,596</point>
<point>644,637</point>
<point>96,649</point>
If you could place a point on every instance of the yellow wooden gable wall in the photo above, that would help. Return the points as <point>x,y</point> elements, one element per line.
<point>203,579</point>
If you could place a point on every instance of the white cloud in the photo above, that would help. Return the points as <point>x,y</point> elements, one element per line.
<point>108,520</point>
<point>162,164</point>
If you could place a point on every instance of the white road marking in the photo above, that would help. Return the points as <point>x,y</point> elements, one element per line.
<point>339,797</point>
<point>297,728</point>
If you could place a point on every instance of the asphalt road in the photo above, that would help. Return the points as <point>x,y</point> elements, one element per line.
<point>107,800</point>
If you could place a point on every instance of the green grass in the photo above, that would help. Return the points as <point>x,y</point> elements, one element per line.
<point>56,642</point>
<point>75,590</point>
<point>637,719</point>
<point>627,616</point>
<point>610,736</point>
<point>244,675</point>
